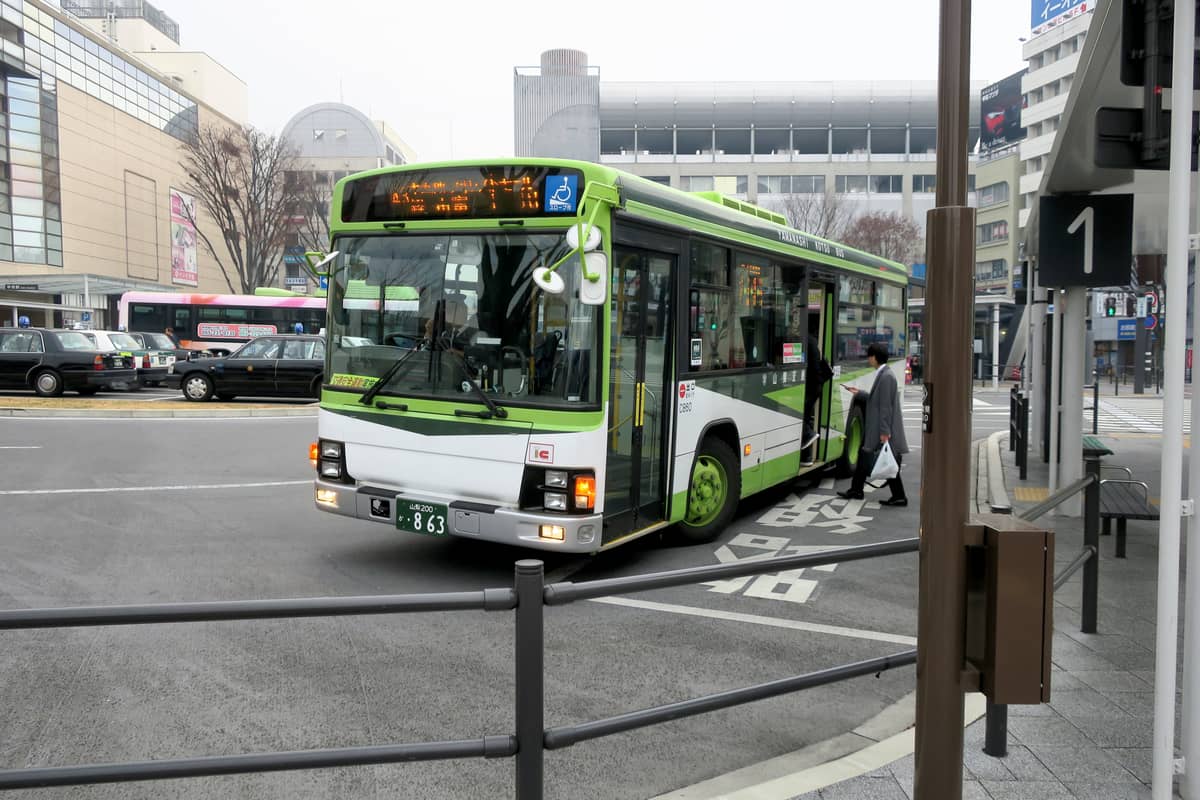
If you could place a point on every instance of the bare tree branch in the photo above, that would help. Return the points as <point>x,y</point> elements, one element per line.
<point>826,216</point>
<point>888,234</point>
<point>237,176</point>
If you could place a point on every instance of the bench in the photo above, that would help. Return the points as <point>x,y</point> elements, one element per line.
<point>1124,499</point>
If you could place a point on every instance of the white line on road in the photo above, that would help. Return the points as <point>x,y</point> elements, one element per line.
<point>180,488</point>
<point>755,619</point>
<point>20,447</point>
<point>310,418</point>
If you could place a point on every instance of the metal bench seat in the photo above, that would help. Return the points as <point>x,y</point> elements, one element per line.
<point>1124,499</point>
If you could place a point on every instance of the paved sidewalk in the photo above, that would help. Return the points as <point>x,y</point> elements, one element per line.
<point>1093,739</point>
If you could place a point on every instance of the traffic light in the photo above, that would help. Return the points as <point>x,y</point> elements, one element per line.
<point>1140,137</point>
<point>1110,306</point>
<point>1130,306</point>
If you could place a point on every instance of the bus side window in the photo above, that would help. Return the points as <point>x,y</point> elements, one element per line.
<point>183,322</point>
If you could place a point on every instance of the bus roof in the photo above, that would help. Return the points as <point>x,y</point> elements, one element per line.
<point>704,212</point>
<point>248,300</point>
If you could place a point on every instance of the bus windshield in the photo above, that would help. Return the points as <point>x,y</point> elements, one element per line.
<point>468,306</point>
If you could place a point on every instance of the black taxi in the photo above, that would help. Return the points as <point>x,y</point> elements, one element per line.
<point>52,361</point>
<point>269,366</point>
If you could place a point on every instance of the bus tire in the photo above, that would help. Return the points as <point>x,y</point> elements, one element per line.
<point>48,383</point>
<point>197,387</point>
<point>714,489</point>
<point>852,444</point>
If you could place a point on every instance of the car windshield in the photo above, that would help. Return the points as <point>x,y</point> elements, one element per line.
<point>124,340</point>
<point>73,340</point>
<point>157,340</point>
<point>469,307</point>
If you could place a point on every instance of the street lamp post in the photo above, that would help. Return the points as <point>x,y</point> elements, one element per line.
<point>946,421</point>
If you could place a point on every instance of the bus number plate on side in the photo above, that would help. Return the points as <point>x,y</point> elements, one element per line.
<point>426,518</point>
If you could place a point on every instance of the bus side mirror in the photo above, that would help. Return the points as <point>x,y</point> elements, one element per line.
<point>593,286</point>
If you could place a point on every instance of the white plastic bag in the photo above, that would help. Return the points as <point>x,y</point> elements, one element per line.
<point>885,464</point>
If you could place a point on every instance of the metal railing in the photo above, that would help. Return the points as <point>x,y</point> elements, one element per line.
<point>995,741</point>
<point>1018,429</point>
<point>527,598</point>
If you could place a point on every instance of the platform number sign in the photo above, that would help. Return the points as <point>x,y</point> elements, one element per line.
<point>1085,240</point>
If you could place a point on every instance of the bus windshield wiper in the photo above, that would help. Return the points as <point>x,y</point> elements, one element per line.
<point>386,377</point>
<point>494,409</point>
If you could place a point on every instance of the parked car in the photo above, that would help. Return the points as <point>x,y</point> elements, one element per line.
<point>151,363</point>
<point>269,366</point>
<point>162,343</point>
<point>51,361</point>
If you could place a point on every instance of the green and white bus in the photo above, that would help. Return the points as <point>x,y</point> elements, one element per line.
<point>558,355</point>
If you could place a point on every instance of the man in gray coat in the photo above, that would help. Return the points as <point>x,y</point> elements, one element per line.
<point>884,423</point>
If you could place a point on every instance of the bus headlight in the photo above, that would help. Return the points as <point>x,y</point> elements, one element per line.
<point>330,449</point>
<point>331,469</point>
<point>556,478</point>
<point>553,501</point>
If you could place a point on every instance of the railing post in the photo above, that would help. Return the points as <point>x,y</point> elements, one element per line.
<point>1013,415</point>
<point>1095,402</point>
<point>1091,538</point>
<point>529,644</point>
<point>995,731</point>
<point>1023,429</point>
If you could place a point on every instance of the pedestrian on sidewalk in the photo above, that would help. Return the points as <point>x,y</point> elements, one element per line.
<point>884,423</point>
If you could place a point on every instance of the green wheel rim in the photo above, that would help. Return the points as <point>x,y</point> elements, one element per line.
<point>710,488</point>
<point>854,438</point>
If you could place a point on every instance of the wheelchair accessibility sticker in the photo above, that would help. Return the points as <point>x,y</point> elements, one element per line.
<point>561,193</point>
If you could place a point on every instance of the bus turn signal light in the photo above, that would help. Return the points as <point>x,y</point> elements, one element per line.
<point>314,452</point>
<point>585,491</point>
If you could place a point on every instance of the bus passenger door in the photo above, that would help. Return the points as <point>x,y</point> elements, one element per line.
<point>638,421</point>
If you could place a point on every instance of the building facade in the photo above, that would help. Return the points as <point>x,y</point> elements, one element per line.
<point>789,146</point>
<point>91,198</point>
<point>332,140</point>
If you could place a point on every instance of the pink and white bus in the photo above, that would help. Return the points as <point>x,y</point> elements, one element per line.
<point>220,323</point>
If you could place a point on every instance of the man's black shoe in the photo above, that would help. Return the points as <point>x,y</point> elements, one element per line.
<point>849,495</point>
<point>894,501</point>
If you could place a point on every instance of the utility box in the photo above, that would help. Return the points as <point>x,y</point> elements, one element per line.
<point>1010,602</point>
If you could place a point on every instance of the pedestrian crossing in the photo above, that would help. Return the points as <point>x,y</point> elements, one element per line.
<point>1132,415</point>
<point>1117,414</point>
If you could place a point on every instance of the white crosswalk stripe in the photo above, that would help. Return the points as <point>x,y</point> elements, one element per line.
<point>1132,415</point>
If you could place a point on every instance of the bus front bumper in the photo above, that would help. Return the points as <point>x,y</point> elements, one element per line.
<point>558,532</point>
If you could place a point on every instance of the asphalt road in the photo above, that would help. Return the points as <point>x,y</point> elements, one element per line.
<point>179,510</point>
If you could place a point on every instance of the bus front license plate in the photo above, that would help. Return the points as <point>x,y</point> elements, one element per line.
<point>416,517</point>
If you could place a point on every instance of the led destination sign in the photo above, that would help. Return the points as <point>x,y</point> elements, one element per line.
<point>463,193</point>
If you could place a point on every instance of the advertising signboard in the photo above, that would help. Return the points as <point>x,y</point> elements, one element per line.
<point>1000,113</point>
<point>183,239</point>
<point>1045,14</point>
<point>1126,330</point>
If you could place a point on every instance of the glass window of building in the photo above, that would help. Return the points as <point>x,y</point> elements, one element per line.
<point>771,141</point>
<point>811,141</point>
<point>615,142</point>
<point>888,141</point>
<point>887,184</point>
<point>808,184</point>
<point>696,183</point>
<point>922,140</point>
<point>656,141</point>
<point>733,141</point>
<point>848,141</point>
<point>991,232</point>
<point>993,194</point>
<point>694,141</point>
<point>851,184</point>
<point>924,184</point>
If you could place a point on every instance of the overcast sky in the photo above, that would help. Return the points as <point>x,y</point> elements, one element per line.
<point>441,73</point>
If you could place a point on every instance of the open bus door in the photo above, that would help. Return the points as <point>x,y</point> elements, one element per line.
<point>635,473</point>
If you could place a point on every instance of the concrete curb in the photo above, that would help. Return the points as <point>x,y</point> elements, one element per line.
<point>997,495</point>
<point>885,738</point>
<point>132,413</point>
